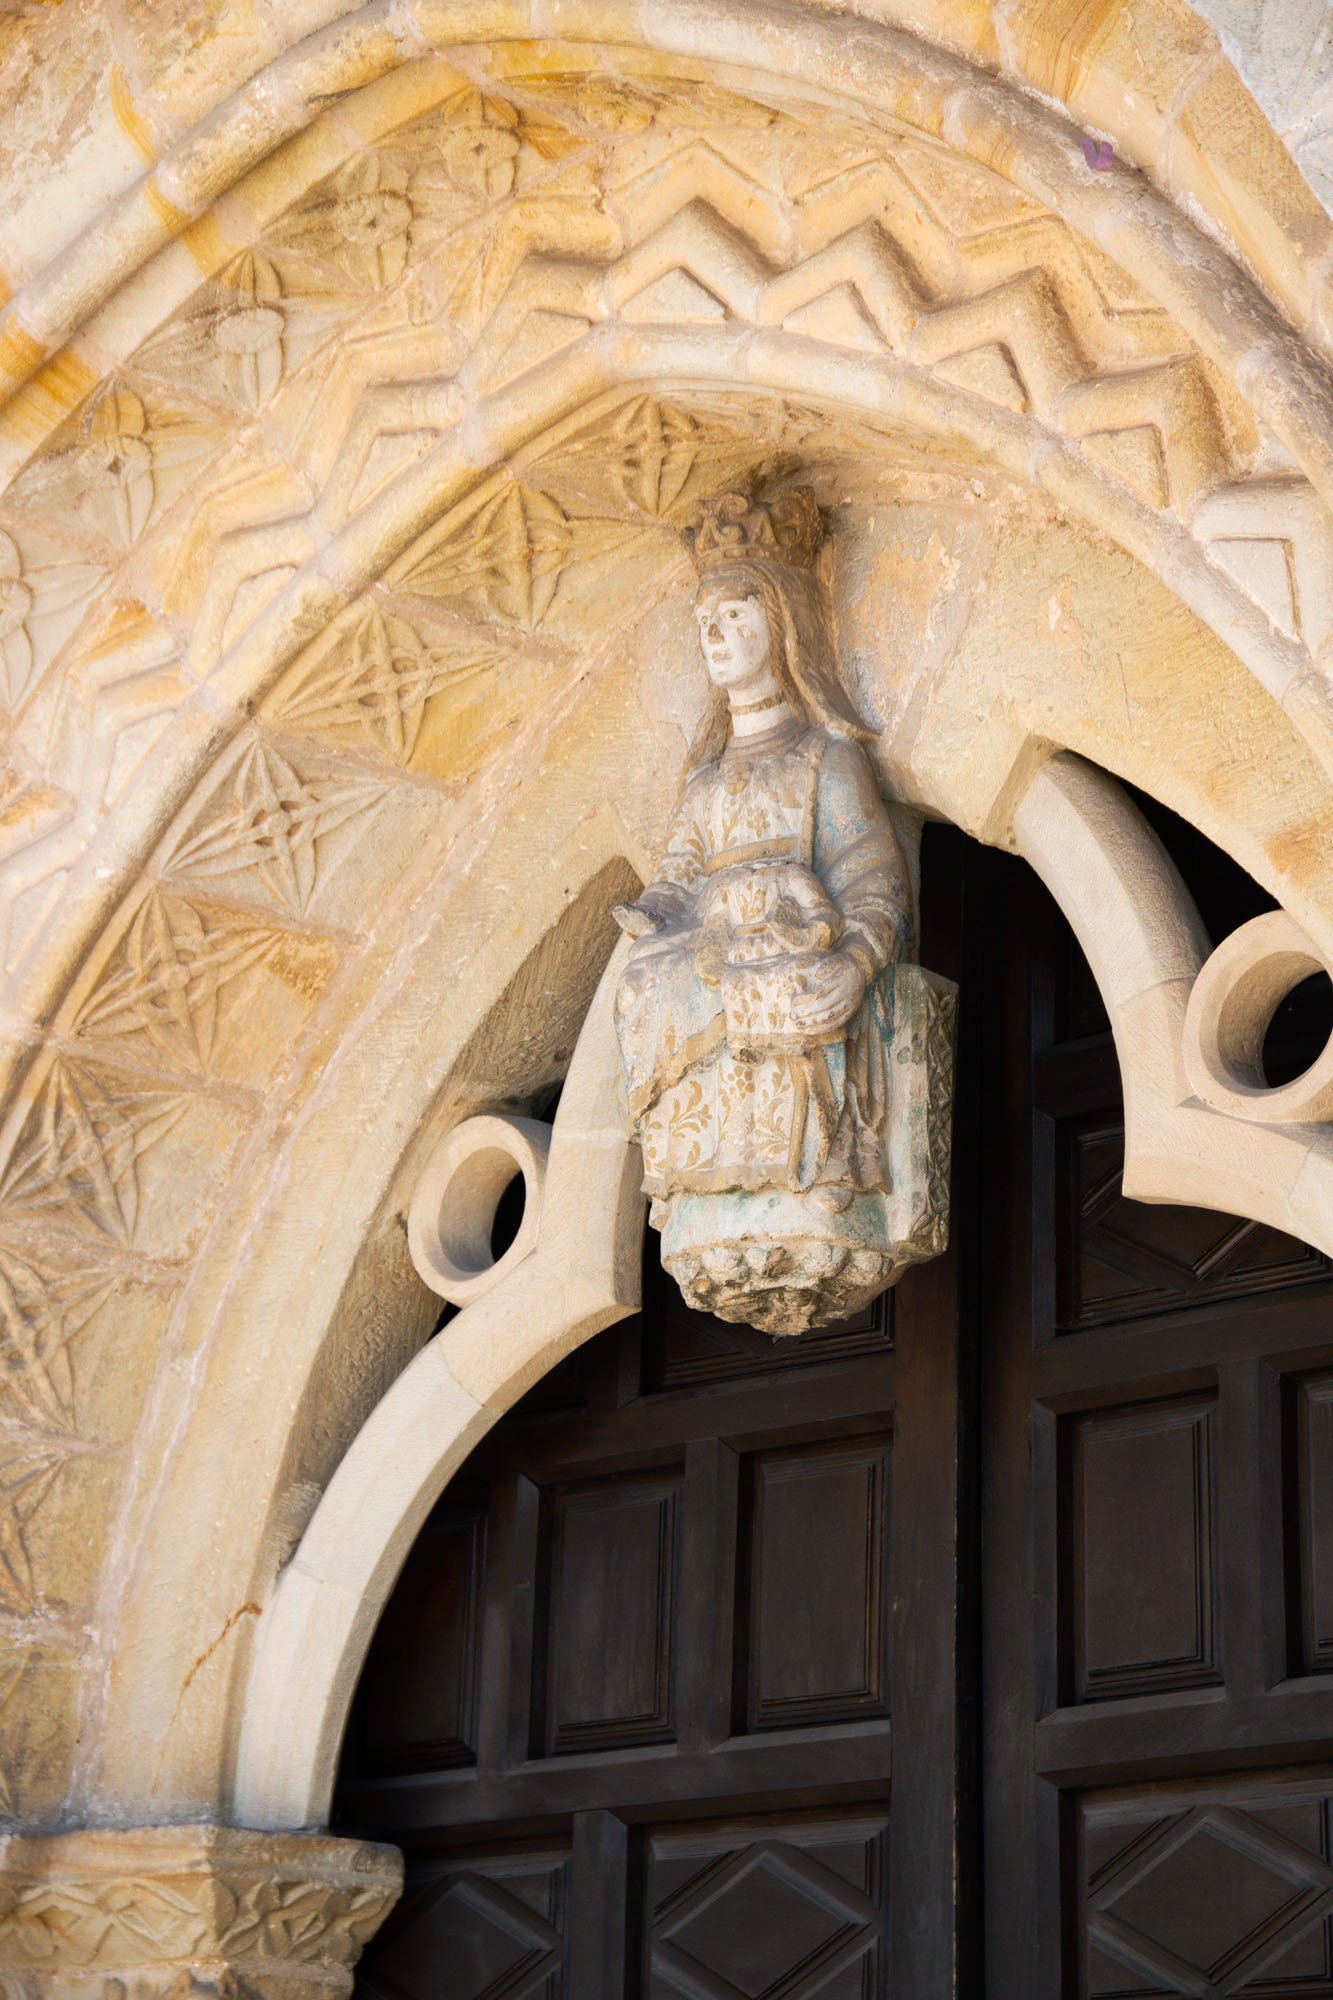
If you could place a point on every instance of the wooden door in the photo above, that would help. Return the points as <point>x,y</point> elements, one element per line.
<point>670,1698</point>
<point>632,1710</point>
<point>1156,1525</point>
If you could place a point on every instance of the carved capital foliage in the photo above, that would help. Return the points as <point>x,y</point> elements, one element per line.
<point>138,1912</point>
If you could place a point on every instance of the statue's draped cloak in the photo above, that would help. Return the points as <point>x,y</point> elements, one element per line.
<point>782,828</point>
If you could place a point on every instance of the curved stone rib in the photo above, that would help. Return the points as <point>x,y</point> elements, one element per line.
<point>583,1275</point>
<point>1142,937</point>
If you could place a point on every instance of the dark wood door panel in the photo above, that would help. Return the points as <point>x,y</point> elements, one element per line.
<point>792,1906</point>
<point>419,1708</point>
<point>1308,1494</point>
<point>813,1588</point>
<point>1119,1259</point>
<point>486,1924</point>
<point>1226,1891</point>
<point>604,1673</point>
<point>1139,1588</point>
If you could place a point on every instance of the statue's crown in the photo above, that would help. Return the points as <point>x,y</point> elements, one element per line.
<point>734,527</point>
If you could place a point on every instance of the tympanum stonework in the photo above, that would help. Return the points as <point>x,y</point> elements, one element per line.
<point>789,1066</point>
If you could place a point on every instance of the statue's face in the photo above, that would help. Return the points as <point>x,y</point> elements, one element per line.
<point>735,637</point>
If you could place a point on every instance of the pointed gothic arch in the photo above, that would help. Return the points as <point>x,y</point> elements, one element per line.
<point>1186,420</point>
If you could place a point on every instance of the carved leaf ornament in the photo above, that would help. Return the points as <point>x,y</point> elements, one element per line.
<point>271,821</point>
<point>377,682</point>
<point>79,1149</point>
<point>167,977</point>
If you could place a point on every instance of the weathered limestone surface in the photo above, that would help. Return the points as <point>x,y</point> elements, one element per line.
<point>144,1911</point>
<point>361,365</point>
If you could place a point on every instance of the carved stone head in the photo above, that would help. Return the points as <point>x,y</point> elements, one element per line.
<point>764,553</point>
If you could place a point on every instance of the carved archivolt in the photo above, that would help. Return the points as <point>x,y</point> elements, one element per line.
<point>627,227</point>
<point>324,522</point>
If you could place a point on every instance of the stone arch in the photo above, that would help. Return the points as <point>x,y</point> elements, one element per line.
<point>288,589</point>
<point>151,1726</point>
<point>581,1275</point>
<point>1219,311</point>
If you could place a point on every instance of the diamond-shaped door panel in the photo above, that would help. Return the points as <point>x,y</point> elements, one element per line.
<point>1122,1259</point>
<point>749,1911</point>
<point>1225,1895</point>
<point>483,1926</point>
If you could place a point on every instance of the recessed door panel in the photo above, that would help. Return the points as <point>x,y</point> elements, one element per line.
<point>421,1675</point>
<point>606,1675</point>
<point>487,1925</point>
<point>1309,1472</point>
<point>796,1907</point>
<point>814,1584</point>
<point>1141,1536</point>
<point>1120,1260</point>
<point>1227,1891</point>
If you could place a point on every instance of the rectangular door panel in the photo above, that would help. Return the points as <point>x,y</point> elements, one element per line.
<point>1309,1486</point>
<point>420,1709</point>
<point>813,1635</point>
<point>1139,1582</point>
<point>606,1663</point>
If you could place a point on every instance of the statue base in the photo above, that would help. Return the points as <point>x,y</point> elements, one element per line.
<point>786,1261</point>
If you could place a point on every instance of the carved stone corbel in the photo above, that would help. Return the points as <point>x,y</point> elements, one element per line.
<point>138,1913</point>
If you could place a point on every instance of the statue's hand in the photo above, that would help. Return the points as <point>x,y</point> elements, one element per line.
<point>636,920</point>
<point>828,998</point>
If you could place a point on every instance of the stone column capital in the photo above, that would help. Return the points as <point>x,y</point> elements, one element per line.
<point>136,1913</point>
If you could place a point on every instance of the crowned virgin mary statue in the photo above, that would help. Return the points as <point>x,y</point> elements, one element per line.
<point>789,1067</point>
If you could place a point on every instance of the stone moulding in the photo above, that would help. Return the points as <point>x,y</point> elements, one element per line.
<point>1234,999</point>
<point>1144,940</point>
<point>454,1207</point>
<point>1230,554</point>
<point>137,1910</point>
<point>583,1274</point>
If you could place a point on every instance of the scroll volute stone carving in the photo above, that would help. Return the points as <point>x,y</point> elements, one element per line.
<point>789,1066</point>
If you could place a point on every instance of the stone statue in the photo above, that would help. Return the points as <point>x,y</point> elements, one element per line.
<point>789,1068</point>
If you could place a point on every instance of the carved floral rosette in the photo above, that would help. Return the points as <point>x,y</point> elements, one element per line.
<point>140,1913</point>
<point>783,1262</point>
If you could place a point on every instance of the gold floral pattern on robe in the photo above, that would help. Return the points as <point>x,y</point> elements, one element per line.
<point>781,851</point>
